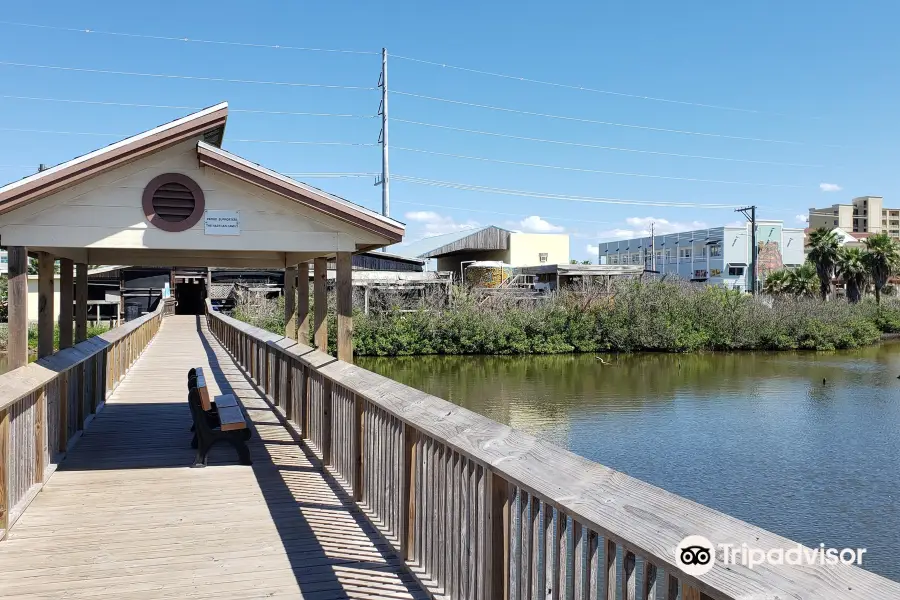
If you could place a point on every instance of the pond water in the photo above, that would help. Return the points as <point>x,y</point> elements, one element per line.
<point>803,444</point>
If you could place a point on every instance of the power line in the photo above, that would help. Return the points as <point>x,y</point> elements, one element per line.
<point>303,142</point>
<point>171,106</point>
<point>125,135</point>
<point>609,123</point>
<point>494,212</point>
<point>192,77</point>
<point>596,90</point>
<point>598,147</point>
<point>185,39</point>
<point>547,196</point>
<point>562,168</point>
<point>330,175</point>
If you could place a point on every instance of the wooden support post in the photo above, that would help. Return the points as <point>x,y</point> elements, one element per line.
<point>290,303</point>
<point>4,472</point>
<point>303,303</point>
<point>81,299</point>
<point>66,302</point>
<point>18,307</point>
<point>344,293</point>
<point>497,569</point>
<point>45,304</point>
<point>408,495</point>
<point>320,326</point>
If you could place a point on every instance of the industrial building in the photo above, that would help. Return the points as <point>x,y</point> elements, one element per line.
<point>865,214</point>
<point>719,255</point>
<point>453,251</point>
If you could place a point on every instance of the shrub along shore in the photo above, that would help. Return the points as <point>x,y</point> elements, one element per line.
<point>661,316</point>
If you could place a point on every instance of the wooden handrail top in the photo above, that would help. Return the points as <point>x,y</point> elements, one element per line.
<point>645,519</point>
<point>18,383</point>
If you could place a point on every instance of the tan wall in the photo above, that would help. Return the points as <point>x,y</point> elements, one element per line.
<point>33,298</point>
<point>106,212</point>
<point>525,248</point>
<point>825,217</point>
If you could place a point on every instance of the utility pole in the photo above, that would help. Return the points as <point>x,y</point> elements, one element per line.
<point>385,180</point>
<point>652,247</point>
<point>753,250</point>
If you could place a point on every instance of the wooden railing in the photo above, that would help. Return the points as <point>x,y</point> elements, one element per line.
<point>482,511</point>
<point>45,406</point>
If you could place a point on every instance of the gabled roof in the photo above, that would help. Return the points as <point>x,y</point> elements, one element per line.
<point>486,238</point>
<point>209,122</point>
<point>332,205</point>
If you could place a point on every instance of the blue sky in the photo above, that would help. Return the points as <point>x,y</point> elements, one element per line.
<point>820,75</point>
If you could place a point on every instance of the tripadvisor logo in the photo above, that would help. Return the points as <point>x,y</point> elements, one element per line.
<point>696,555</point>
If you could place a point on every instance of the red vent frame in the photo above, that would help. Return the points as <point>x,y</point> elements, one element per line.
<point>153,192</point>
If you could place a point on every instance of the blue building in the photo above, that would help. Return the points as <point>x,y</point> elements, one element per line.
<point>718,256</point>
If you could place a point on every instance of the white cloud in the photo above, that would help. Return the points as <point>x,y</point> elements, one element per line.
<point>640,227</point>
<point>437,224</point>
<point>535,224</point>
<point>593,250</point>
<point>802,219</point>
<point>830,187</point>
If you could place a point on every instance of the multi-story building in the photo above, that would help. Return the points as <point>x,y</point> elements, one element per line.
<point>4,262</point>
<point>865,214</point>
<point>719,255</point>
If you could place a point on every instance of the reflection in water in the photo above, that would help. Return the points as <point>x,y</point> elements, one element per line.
<point>803,444</point>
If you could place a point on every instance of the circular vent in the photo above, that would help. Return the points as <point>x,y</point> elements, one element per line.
<point>173,202</point>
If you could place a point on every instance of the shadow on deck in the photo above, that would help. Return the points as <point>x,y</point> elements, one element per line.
<point>124,516</point>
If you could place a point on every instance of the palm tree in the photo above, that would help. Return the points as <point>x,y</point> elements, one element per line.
<point>883,258</point>
<point>776,283</point>
<point>823,253</point>
<point>852,268</point>
<point>804,280</point>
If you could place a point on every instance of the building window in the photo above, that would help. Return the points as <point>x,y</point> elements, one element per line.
<point>736,271</point>
<point>835,222</point>
<point>684,253</point>
<point>715,250</point>
<point>4,259</point>
<point>636,258</point>
<point>542,257</point>
<point>659,256</point>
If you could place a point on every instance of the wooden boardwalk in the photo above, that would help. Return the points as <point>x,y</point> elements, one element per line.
<point>125,517</point>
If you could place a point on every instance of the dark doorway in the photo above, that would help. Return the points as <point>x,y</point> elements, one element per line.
<point>190,297</point>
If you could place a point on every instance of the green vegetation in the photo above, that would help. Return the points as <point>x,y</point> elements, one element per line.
<point>92,330</point>
<point>666,316</point>
<point>856,267</point>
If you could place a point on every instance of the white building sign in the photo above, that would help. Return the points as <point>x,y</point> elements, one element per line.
<point>222,222</point>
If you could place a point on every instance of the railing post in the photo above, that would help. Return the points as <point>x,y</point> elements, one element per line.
<point>40,433</point>
<point>63,406</point>
<point>359,432</point>
<point>408,484</point>
<point>304,402</point>
<point>4,472</point>
<point>287,365</point>
<point>327,425</point>
<point>497,555</point>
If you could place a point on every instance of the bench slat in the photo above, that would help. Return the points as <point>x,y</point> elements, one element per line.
<point>231,418</point>
<point>225,400</point>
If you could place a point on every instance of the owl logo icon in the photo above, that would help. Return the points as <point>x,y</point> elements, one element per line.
<point>695,555</point>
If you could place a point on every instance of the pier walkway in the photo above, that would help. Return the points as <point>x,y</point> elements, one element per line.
<point>124,516</point>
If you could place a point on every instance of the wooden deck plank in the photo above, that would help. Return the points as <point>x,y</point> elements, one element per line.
<point>124,516</point>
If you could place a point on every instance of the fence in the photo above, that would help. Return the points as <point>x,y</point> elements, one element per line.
<point>480,511</point>
<point>45,406</point>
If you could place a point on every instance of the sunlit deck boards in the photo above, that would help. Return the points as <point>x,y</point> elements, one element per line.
<point>125,517</point>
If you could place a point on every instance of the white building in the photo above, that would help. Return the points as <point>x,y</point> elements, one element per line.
<point>719,255</point>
